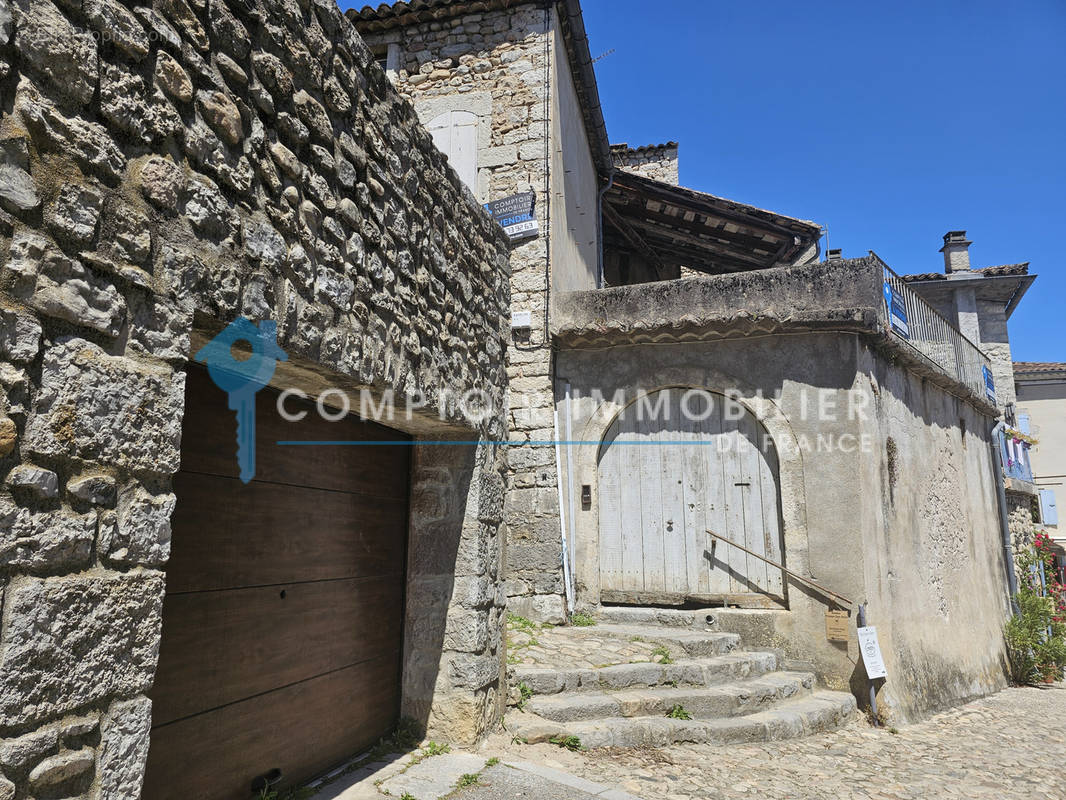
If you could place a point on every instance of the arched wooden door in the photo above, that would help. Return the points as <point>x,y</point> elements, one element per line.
<point>673,465</point>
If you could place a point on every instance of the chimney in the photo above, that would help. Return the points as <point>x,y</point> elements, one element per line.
<point>836,254</point>
<point>956,252</point>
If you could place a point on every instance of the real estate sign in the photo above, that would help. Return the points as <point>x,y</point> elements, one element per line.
<point>516,214</point>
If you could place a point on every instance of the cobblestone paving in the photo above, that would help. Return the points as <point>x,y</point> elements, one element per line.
<point>574,648</point>
<point>1011,745</point>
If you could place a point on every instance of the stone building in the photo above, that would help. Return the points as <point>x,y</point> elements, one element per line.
<point>167,173</point>
<point>509,91</point>
<point>656,161</point>
<point>690,292</point>
<point>979,302</point>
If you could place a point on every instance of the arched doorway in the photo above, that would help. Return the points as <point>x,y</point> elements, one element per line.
<point>672,465</point>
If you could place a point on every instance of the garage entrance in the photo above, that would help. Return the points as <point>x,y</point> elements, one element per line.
<point>283,617</point>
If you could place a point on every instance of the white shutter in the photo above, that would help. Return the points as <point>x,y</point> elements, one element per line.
<point>455,134</point>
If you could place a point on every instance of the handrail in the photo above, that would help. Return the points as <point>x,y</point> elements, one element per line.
<point>783,568</point>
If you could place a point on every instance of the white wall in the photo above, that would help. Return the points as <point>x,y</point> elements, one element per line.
<point>1045,403</point>
<point>574,245</point>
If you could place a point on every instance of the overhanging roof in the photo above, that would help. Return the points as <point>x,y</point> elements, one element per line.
<point>1004,283</point>
<point>387,16</point>
<point>1039,368</point>
<point>683,227</point>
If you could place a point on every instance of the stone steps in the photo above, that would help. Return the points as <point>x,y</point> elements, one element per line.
<point>710,671</point>
<point>726,700</point>
<point>663,617</point>
<point>689,642</point>
<point>821,711</point>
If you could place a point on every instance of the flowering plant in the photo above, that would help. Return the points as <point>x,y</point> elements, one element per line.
<point>1036,636</point>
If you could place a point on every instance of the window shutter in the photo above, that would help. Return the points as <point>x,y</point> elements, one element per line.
<point>455,134</point>
<point>1048,510</point>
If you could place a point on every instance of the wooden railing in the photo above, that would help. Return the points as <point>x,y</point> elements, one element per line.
<point>783,568</point>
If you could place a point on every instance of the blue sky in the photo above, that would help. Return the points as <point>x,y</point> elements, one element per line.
<point>891,123</point>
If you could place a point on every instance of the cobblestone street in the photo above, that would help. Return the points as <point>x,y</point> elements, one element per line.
<point>1011,745</point>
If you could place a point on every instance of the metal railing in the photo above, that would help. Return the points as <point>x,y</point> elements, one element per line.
<point>929,333</point>
<point>1014,456</point>
<point>839,597</point>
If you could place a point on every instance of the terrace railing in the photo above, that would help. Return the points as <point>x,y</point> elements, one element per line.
<point>920,326</point>
<point>1014,455</point>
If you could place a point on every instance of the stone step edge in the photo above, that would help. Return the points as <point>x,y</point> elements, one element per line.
<point>821,711</point>
<point>688,618</point>
<point>691,642</point>
<point>637,674</point>
<point>766,691</point>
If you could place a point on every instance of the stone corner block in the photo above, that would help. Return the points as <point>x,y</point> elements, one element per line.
<point>107,409</point>
<point>72,641</point>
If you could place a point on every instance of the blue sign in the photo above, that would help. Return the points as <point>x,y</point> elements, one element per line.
<point>515,214</point>
<point>897,310</point>
<point>990,384</point>
<point>241,380</point>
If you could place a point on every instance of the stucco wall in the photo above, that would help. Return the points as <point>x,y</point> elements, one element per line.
<point>165,171</point>
<point>922,548</point>
<point>934,563</point>
<point>1045,402</point>
<point>575,242</point>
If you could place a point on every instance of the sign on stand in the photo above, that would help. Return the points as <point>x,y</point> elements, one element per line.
<point>871,653</point>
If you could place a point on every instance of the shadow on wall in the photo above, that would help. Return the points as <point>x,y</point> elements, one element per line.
<point>440,562</point>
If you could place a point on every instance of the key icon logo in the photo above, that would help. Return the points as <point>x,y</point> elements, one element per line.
<point>242,379</point>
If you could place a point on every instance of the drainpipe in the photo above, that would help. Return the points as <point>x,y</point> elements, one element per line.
<point>599,214</point>
<point>1004,520</point>
<point>568,585</point>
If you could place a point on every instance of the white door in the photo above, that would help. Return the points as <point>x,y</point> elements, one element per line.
<point>455,134</point>
<point>668,475</point>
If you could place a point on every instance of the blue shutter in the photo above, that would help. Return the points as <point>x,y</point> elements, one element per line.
<point>1048,511</point>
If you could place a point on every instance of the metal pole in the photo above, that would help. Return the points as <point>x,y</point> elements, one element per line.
<point>873,690</point>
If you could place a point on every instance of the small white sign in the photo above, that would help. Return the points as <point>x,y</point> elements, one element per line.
<point>871,652</point>
<point>521,320</point>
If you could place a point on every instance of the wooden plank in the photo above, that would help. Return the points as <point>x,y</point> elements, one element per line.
<point>222,647</point>
<point>734,492</point>
<point>655,431</point>
<point>771,515</point>
<point>227,534</point>
<point>674,512</point>
<point>694,488</point>
<point>630,503</point>
<point>209,444</point>
<point>303,730</point>
<point>610,520</point>
<point>750,456</point>
<point>715,576</point>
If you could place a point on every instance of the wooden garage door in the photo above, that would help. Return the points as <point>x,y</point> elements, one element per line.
<point>684,466</point>
<point>282,623</point>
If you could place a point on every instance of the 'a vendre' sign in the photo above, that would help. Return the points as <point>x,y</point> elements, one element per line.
<point>515,214</point>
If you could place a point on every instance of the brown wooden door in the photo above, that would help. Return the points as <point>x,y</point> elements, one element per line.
<point>282,623</point>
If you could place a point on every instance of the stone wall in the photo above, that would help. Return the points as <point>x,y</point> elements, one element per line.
<point>499,66</point>
<point>164,169</point>
<point>897,508</point>
<point>1020,521</point>
<point>655,161</point>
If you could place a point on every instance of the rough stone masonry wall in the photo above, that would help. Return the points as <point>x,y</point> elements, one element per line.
<point>215,159</point>
<point>658,162</point>
<point>496,64</point>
